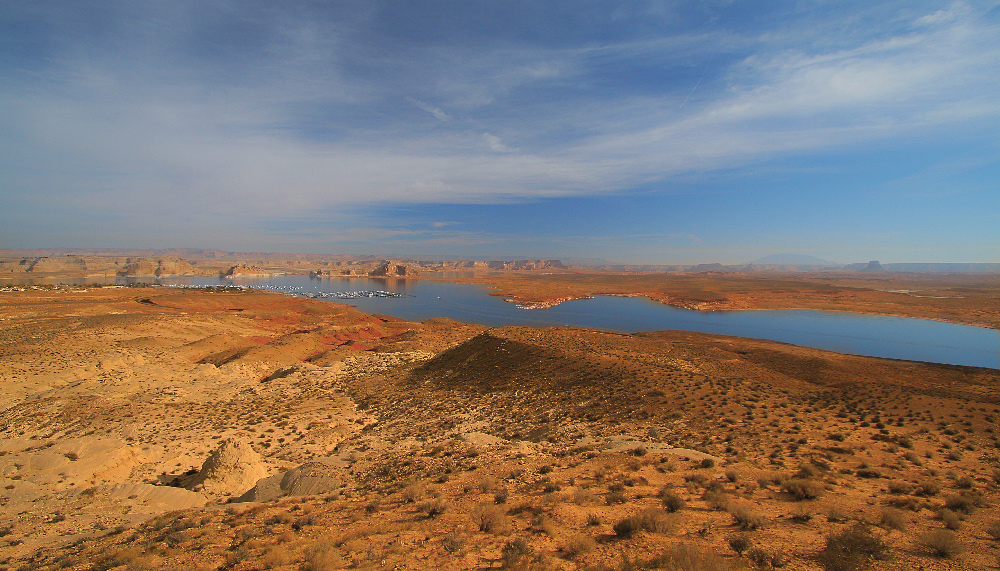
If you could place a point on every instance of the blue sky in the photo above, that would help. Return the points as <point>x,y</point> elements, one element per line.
<point>648,132</point>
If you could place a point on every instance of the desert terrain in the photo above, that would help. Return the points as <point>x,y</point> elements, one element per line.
<point>158,428</point>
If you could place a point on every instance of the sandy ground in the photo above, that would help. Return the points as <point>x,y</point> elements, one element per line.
<point>149,428</point>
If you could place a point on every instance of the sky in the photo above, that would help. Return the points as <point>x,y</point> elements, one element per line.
<point>631,131</point>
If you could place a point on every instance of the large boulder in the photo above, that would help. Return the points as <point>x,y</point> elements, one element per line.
<point>309,479</point>
<point>231,470</point>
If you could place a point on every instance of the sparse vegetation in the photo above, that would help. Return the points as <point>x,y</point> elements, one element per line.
<point>496,444</point>
<point>852,549</point>
<point>942,543</point>
<point>802,489</point>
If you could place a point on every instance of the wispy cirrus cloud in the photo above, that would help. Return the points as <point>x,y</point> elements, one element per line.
<point>236,118</point>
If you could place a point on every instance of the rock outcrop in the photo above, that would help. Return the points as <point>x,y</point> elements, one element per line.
<point>231,470</point>
<point>156,267</point>
<point>873,266</point>
<point>311,478</point>
<point>391,269</point>
<point>245,270</point>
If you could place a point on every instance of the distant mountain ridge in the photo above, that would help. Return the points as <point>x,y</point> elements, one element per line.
<point>793,260</point>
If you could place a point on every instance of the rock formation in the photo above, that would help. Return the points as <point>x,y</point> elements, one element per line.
<point>873,266</point>
<point>312,478</point>
<point>231,470</point>
<point>391,269</point>
<point>245,270</point>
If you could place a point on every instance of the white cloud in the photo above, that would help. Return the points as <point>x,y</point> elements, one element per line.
<point>495,145</point>
<point>435,111</point>
<point>101,134</point>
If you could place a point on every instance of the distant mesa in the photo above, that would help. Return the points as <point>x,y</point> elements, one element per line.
<point>384,268</point>
<point>872,266</point>
<point>168,266</point>
<point>244,270</point>
<point>793,260</point>
<point>409,268</point>
<point>389,269</point>
<point>86,266</point>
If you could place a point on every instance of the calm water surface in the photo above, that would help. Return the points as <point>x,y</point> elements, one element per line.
<point>859,334</point>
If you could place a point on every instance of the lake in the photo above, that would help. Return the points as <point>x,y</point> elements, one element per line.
<point>854,333</point>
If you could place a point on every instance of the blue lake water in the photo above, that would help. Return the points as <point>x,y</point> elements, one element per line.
<point>854,333</point>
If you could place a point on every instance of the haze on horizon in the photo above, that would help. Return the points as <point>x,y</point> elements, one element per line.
<point>647,132</point>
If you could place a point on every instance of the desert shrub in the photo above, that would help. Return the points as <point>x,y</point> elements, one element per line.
<point>739,542</point>
<point>907,502</point>
<point>582,496</point>
<point>732,475</point>
<point>950,519</point>
<point>760,558</point>
<point>673,503</point>
<point>453,542</point>
<point>801,514</point>
<point>435,507</point>
<point>515,552</point>
<point>303,521</point>
<point>802,489</point>
<point>707,463</point>
<point>276,557</point>
<point>780,559</point>
<point>656,520</point>
<point>650,519</point>
<point>413,492</point>
<point>993,530</point>
<point>578,545</point>
<point>324,557</point>
<point>747,519</point>
<point>488,484</point>
<point>965,503</point>
<point>612,498</point>
<point>687,558</point>
<point>490,519</point>
<point>716,499</point>
<point>927,488</point>
<point>696,478</point>
<point>900,487</point>
<point>965,482</point>
<point>806,471</point>
<point>501,496</point>
<point>627,527</point>
<point>544,525</point>
<point>892,518</point>
<point>852,549</point>
<point>942,542</point>
<point>868,473</point>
